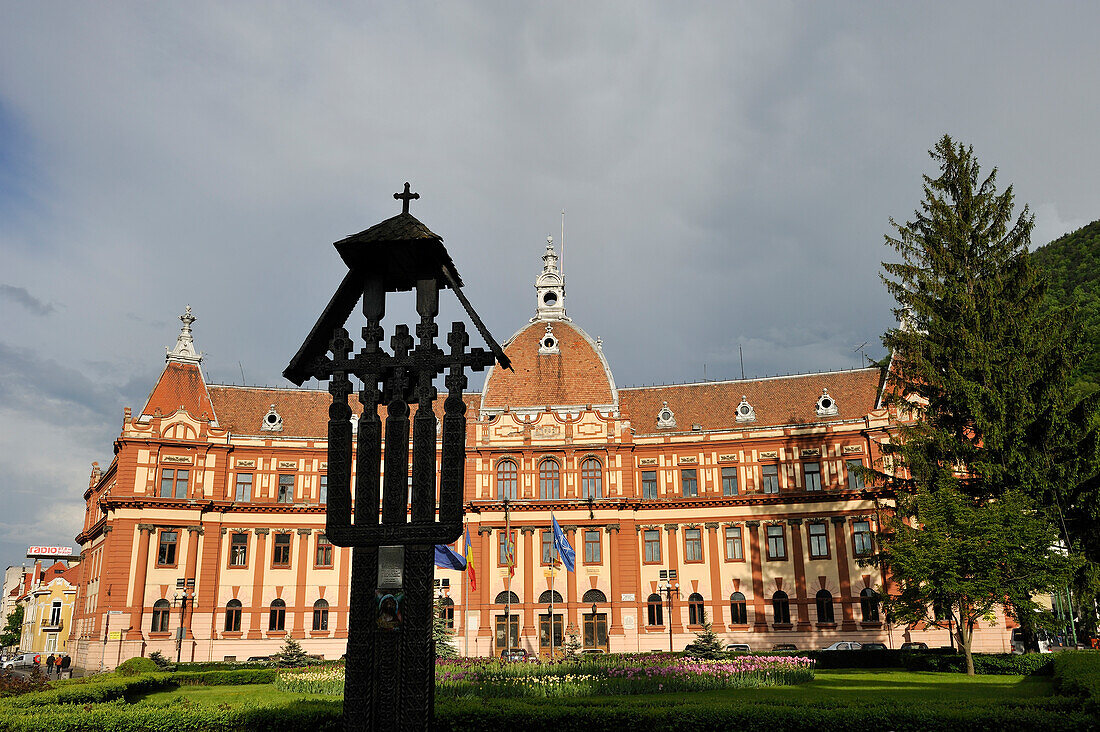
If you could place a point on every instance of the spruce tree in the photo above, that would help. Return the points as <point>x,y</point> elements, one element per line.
<point>442,633</point>
<point>292,654</point>
<point>979,374</point>
<point>707,644</point>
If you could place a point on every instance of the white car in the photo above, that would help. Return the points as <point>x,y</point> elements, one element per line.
<point>23,659</point>
<point>843,646</point>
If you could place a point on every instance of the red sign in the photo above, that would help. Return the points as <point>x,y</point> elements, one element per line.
<point>49,551</point>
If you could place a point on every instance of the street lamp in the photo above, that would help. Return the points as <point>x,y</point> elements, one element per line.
<point>669,587</point>
<point>185,590</point>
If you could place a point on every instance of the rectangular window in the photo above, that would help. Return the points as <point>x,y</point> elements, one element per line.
<point>735,548</point>
<point>280,556</point>
<point>238,550</point>
<point>286,489</point>
<point>166,551</point>
<point>819,542</point>
<point>549,551</point>
<point>855,480</point>
<point>812,474</point>
<point>777,542</point>
<point>592,553</point>
<point>649,484</point>
<point>503,549</point>
<point>173,483</point>
<point>769,478</point>
<point>693,545</point>
<point>322,491</point>
<point>244,487</point>
<point>324,552</point>
<point>690,482</point>
<point>862,538</point>
<point>729,481</point>
<point>652,538</point>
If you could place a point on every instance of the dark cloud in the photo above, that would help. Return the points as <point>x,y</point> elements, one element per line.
<point>20,296</point>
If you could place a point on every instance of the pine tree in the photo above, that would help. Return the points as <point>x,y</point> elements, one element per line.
<point>707,644</point>
<point>292,654</point>
<point>982,369</point>
<point>442,633</point>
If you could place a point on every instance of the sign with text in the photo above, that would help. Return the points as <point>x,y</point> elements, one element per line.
<point>49,551</point>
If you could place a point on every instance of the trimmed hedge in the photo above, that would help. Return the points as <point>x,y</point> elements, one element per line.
<point>1078,673</point>
<point>109,689</point>
<point>137,665</point>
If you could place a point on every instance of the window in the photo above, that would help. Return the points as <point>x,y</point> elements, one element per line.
<point>739,614</point>
<point>868,603</point>
<point>280,554</point>
<point>769,477</point>
<point>166,550</point>
<point>652,539</point>
<point>689,482</point>
<point>506,549</point>
<point>320,615</point>
<point>238,550</point>
<point>161,609</point>
<point>825,607</point>
<point>546,596</point>
<point>812,473</point>
<point>861,531</point>
<point>781,608</point>
<point>855,480</point>
<point>447,612</point>
<point>55,613</point>
<point>729,481</point>
<point>591,479</point>
<point>286,489</point>
<point>649,484</point>
<point>277,619</point>
<point>549,480</point>
<point>233,616</point>
<point>506,480</point>
<point>324,552</point>
<point>592,553</point>
<point>696,613</point>
<point>549,551</point>
<point>173,483</point>
<point>322,490</point>
<point>819,542</point>
<point>693,545</point>
<point>735,548</point>
<point>507,597</point>
<point>655,610</point>
<point>244,487</point>
<point>777,542</point>
<point>593,595</point>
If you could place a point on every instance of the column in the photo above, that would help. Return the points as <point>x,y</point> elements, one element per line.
<point>137,600</point>
<point>571,616</point>
<point>485,627</point>
<point>840,534</point>
<point>343,608</point>
<point>529,569</point>
<point>303,606</point>
<point>260,558</point>
<point>714,559</point>
<point>799,573</point>
<point>612,586</point>
<point>190,572</point>
<point>760,618</point>
<point>674,563</point>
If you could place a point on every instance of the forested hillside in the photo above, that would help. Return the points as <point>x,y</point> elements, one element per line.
<point>1072,264</point>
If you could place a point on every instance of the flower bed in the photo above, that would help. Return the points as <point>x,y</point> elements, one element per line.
<point>614,675</point>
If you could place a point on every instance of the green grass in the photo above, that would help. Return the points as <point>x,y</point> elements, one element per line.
<point>255,694</point>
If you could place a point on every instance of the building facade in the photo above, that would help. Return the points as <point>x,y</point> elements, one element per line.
<point>736,501</point>
<point>48,599</point>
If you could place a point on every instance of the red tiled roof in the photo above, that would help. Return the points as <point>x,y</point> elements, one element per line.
<point>780,400</point>
<point>180,385</point>
<point>575,376</point>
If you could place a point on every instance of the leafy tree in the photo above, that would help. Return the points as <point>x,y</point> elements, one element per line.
<point>292,654</point>
<point>13,629</point>
<point>707,644</point>
<point>442,634</point>
<point>980,373</point>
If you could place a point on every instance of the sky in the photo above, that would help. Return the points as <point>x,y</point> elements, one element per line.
<point>727,170</point>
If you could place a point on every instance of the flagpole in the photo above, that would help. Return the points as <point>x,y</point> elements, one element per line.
<point>553,551</point>
<point>508,597</point>
<point>466,598</point>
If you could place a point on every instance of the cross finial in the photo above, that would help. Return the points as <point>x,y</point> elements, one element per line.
<point>405,198</point>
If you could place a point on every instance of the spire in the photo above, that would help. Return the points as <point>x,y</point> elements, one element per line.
<point>550,287</point>
<point>184,351</point>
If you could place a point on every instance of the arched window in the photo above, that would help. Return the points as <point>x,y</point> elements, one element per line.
<point>506,480</point>
<point>549,479</point>
<point>696,614</point>
<point>544,598</point>
<point>738,609</point>
<point>825,607</point>
<point>447,611</point>
<point>591,479</point>
<point>593,596</point>
<point>503,598</point>
<point>233,616</point>
<point>320,615</point>
<point>655,610</point>
<point>161,610</point>
<point>277,619</point>
<point>781,608</point>
<point>868,602</point>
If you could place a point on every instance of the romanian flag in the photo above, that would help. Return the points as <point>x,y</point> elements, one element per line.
<point>470,561</point>
<point>510,551</point>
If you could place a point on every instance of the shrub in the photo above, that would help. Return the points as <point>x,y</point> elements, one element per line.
<point>1078,673</point>
<point>292,654</point>
<point>158,658</point>
<point>1028,664</point>
<point>13,685</point>
<point>137,665</point>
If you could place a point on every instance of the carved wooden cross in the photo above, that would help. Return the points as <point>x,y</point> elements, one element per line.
<point>406,197</point>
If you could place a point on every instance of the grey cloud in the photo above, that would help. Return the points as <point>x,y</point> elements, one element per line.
<point>20,296</point>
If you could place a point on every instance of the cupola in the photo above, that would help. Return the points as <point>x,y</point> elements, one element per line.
<point>550,287</point>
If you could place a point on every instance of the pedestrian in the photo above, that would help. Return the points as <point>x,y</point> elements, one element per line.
<point>49,665</point>
<point>65,661</point>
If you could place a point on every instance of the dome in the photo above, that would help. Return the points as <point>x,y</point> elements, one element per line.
<point>555,364</point>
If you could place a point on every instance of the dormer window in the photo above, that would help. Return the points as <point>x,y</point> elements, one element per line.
<point>745,412</point>
<point>665,418</point>
<point>549,342</point>
<point>826,405</point>
<point>271,422</point>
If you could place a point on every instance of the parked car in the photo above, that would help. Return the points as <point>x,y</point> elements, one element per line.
<point>843,646</point>
<point>593,652</point>
<point>258,659</point>
<point>23,660</point>
<point>914,646</point>
<point>514,654</point>
<point>738,648</point>
<point>873,647</point>
<point>784,647</point>
<point>1040,642</point>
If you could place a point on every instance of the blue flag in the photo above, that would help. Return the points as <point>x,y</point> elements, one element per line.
<point>562,544</point>
<point>448,558</point>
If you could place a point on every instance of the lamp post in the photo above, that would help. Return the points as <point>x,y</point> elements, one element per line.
<point>669,587</point>
<point>185,590</point>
